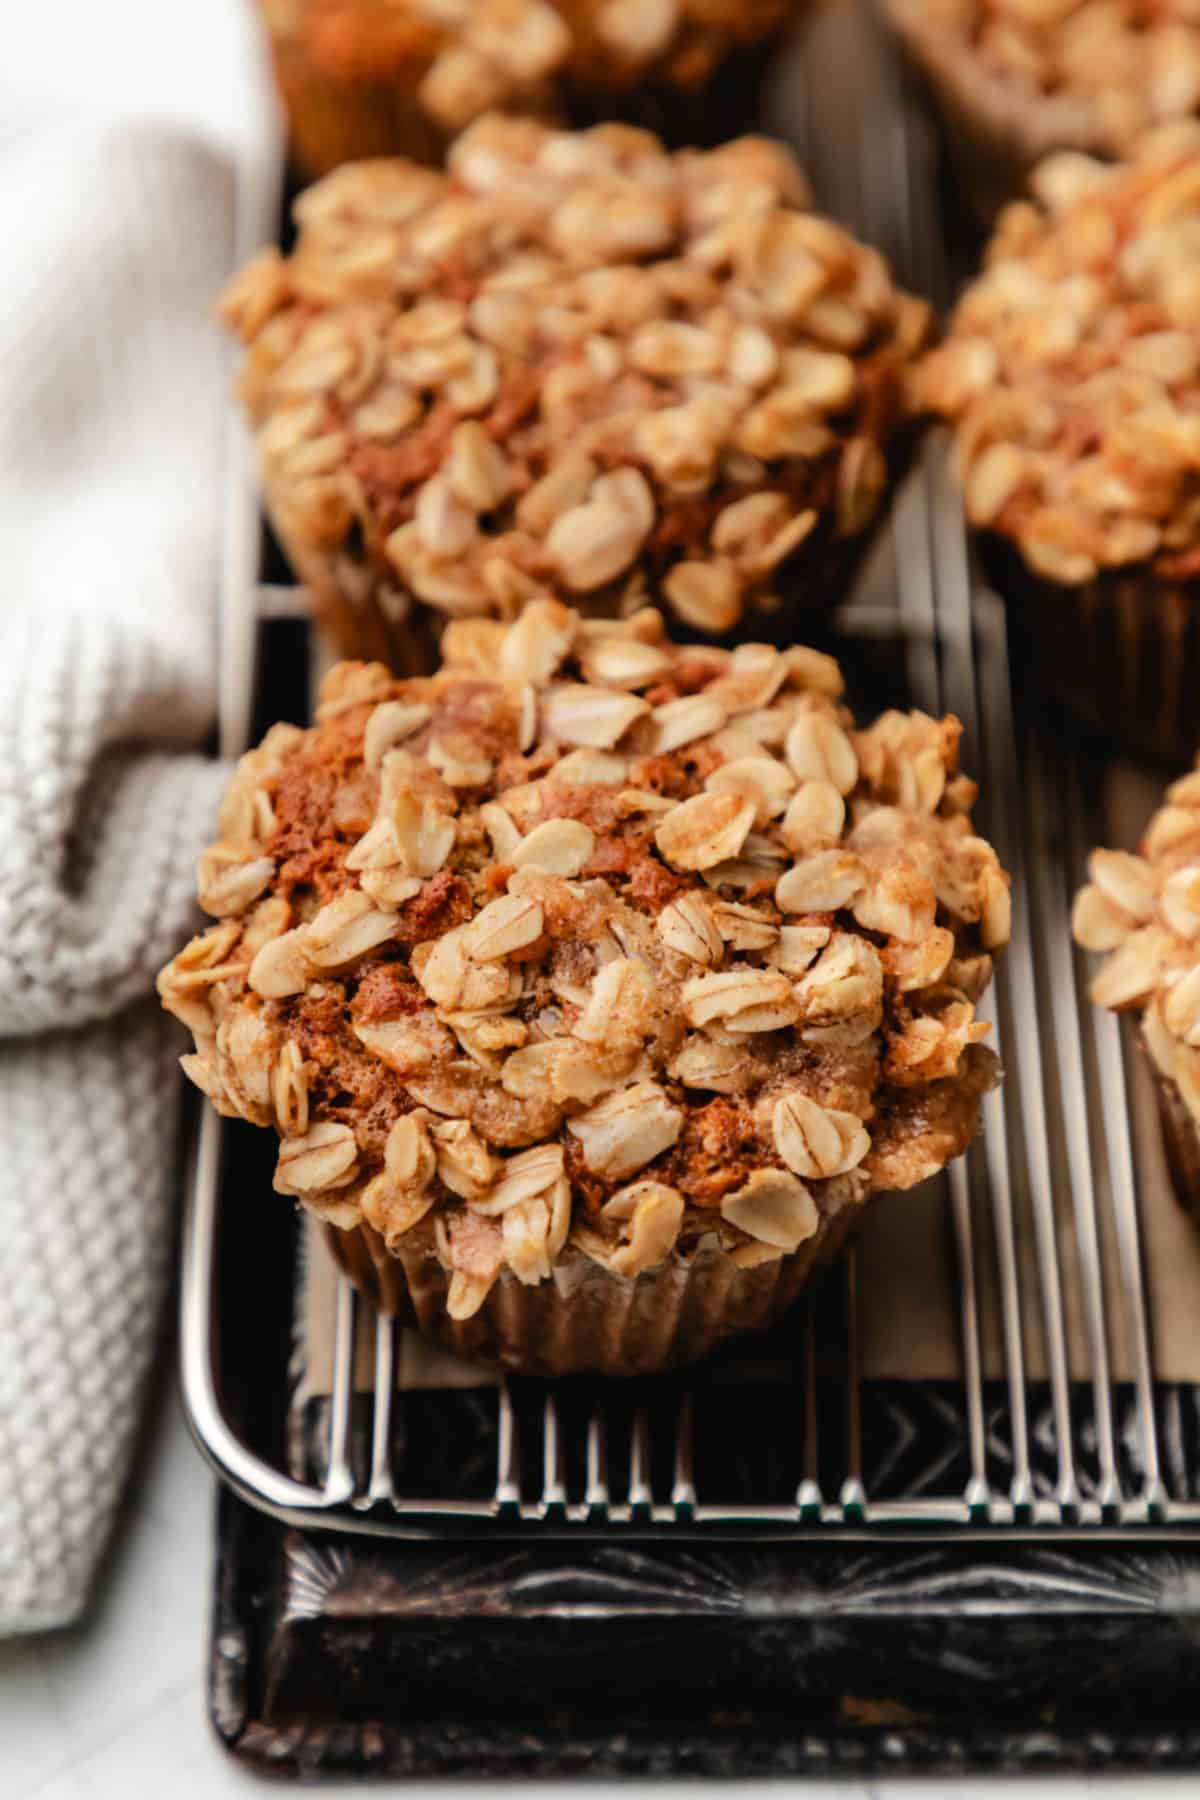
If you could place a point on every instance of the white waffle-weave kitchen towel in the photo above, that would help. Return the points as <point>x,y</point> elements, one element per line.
<point>112,385</point>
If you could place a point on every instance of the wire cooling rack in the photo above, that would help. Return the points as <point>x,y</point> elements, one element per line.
<point>784,1436</point>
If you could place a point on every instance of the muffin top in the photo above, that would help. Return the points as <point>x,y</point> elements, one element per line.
<point>1145,911</point>
<point>1111,68</point>
<point>465,57</point>
<point>590,942</point>
<point>571,360</point>
<point>1071,373</point>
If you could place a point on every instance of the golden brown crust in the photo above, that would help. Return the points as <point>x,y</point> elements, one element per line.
<point>588,941</point>
<point>1071,373</point>
<point>574,361</point>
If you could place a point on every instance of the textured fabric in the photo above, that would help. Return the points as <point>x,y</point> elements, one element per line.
<point>112,386</point>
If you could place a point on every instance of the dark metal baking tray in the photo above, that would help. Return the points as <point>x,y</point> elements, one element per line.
<point>774,1563</point>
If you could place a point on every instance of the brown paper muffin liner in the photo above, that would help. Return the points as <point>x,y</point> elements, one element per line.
<point>1121,653</point>
<point>995,130</point>
<point>1181,1140</point>
<point>333,120</point>
<point>722,106</point>
<point>361,618</point>
<point>584,1319</point>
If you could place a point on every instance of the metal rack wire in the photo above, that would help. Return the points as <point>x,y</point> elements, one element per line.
<point>1055,1164</point>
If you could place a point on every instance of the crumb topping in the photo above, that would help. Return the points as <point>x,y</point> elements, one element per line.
<point>1143,911</point>
<point>574,361</point>
<point>1071,373</point>
<point>588,939</point>
<point>1124,65</point>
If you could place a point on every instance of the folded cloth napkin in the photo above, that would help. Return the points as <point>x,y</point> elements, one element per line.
<point>112,388</point>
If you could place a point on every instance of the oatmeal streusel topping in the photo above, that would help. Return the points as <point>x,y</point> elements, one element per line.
<point>1072,370</point>
<point>573,361</point>
<point>1122,66</point>
<point>1144,912</point>
<point>591,939</point>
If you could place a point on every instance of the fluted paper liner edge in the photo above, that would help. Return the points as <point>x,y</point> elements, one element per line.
<point>584,1319</point>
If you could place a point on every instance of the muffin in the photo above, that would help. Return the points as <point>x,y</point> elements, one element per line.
<point>1071,376</point>
<point>1144,911</point>
<point>593,983</point>
<point>573,360</point>
<point>1014,82</point>
<point>363,78</point>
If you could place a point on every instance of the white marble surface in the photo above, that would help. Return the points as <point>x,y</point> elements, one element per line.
<point>116,1708</point>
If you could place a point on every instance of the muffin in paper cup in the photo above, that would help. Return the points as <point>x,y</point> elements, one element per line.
<point>1143,912</point>
<point>1013,83</point>
<point>572,361</point>
<point>588,1317</point>
<point>364,78</point>
<point>1071,379</point>
<point>594,983</point>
